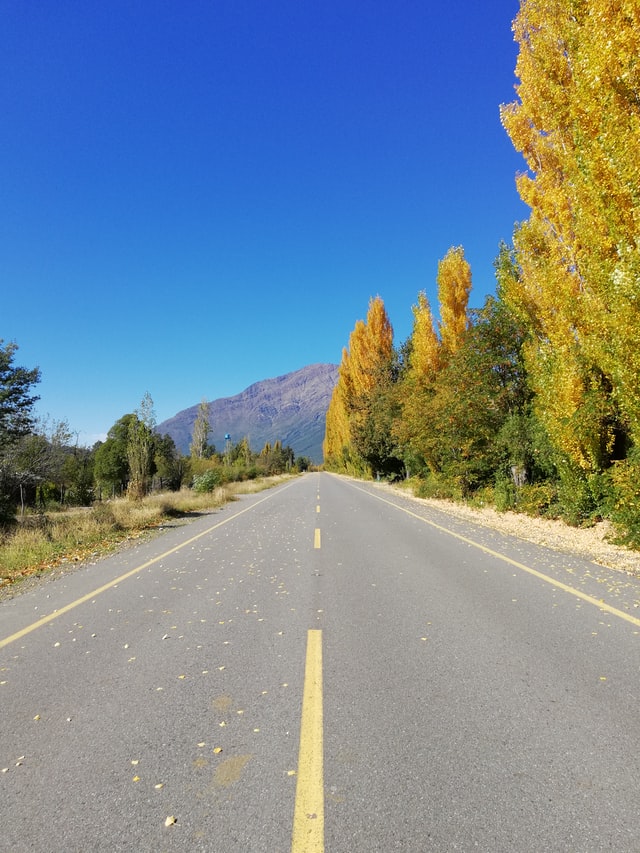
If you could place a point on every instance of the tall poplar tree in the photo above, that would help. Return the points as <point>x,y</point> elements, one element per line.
<point>417,384</point>
<point>576,121</point>
<point>201,429</point>
<point>140,446</point>
<point>360,397</point>
<point>454,286</point>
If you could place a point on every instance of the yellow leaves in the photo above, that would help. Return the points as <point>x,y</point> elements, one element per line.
<point>369,353</point>
<point>425,344</point>
<point>454,286</point>
<point>577,124</point>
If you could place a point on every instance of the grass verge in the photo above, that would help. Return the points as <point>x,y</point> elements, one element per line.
<point>41,543</point>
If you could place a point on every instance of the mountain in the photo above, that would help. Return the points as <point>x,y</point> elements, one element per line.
<point>291,408</point>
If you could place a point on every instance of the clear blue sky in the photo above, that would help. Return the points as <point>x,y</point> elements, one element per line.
<point>199,194</point>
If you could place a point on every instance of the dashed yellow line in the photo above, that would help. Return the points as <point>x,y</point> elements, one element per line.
<point>316,538</point>
<point>308,817</point>
<point>318,508</point>
<point>602,605</point>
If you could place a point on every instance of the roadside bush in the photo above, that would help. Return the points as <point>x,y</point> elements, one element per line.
<point>538,500</point>
<point>105,517</point>
<point>207,481</point>
<point>622,504</point>
<point>580,495</point>
<point>434,486</point>
<point>504,493</point>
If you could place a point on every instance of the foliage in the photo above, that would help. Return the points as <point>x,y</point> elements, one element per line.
<point>140,446</point>
<point>200,447</point>
<point>454,286</point>
<point>16,422</point>
<point>16,399</point>
<point>111,460</point>
<point>208,481</point>
<point>358,435</point>
<point>577,123</point>
<point>623,498</point>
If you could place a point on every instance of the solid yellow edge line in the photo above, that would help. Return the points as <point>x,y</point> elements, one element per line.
<point>308,817</point>
<point>602,605</point>
<point>316,538</point>
<point>67,607</point>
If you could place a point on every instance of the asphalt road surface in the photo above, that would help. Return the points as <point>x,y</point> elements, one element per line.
<point>323,666</point>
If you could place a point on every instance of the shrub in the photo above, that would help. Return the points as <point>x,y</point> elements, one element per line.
<point>579,495</point>
<point>504,493</point>
<point>538,500</point>
<point>622,502</point>
<point>207,481</point>
<point>434,486</point>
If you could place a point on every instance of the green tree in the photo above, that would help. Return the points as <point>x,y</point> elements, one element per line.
<point>111,463</point>
<point>16,421</point>
<point>16,399</point>
<point>170,465</point>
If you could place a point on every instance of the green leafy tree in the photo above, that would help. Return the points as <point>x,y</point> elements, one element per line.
<point>16,421</point>
<point>111,463</point>
<point>16,399</point>
<point>170,465</point>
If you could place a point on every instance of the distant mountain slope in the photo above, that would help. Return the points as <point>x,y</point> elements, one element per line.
<point>291,408</point>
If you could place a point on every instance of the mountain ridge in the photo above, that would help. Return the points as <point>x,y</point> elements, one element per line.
<point>291,408</point>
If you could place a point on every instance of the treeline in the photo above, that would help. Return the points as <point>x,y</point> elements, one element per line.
<point>43,467</point>
<point>533,401</point>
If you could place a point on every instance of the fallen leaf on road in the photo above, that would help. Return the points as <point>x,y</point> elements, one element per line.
<point>170,821</point>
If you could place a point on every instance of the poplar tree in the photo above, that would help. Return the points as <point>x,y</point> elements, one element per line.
<point>360,395</point>
<point>576,121</point>
<point>424,362</point>
<point>140,446</point>
<point>201,428</point>
<point>454,286</point>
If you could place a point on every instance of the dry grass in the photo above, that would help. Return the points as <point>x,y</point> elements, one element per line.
<point>41,543</point>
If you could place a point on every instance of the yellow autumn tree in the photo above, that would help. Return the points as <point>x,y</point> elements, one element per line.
<point>576,121</point>
<point>337,438</point>
<point>454,286</point>
<point>363,373</point>
<point>424,362</point>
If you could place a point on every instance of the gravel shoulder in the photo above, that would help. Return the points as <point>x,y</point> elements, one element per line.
<point>592,542</point>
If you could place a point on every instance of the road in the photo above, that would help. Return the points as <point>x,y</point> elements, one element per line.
<point>327,665</point>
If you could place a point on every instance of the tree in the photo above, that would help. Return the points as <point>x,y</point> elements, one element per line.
<point>140,446</point>
<point>424,361</point>
<point>576,122</point>
<point>454,286</point>
<point>16,421</point>
<point>16,400</point>
<point>200,439</point>
<point>170,465</point>
<point>354,414</point>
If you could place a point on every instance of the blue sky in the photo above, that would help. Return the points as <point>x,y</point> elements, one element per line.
<point>199,195</point>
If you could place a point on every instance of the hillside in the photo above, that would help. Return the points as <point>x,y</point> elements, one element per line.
<point>291,408</point>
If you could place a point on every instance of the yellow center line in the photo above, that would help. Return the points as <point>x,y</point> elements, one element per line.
<point>602,605</point>
<point>308,816</point>
<point>317,509</point>
<point>45,620</point>
<point>316,538</point>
